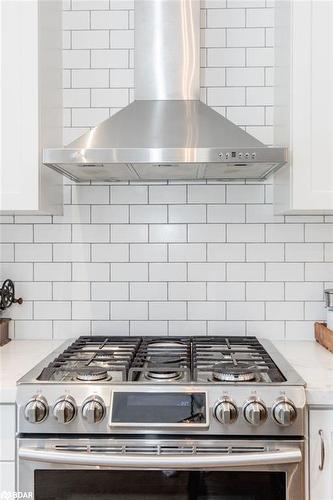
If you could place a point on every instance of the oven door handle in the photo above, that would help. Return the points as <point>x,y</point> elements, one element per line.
<point>195,461</point>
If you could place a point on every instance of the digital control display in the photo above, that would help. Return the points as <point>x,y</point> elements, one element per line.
<point>158,408</point>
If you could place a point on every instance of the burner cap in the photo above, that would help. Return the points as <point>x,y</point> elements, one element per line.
<point>163,368</point>
<point>229,372</point>
<point>91,374</point>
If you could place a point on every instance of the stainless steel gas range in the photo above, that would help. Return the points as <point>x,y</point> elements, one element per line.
<point>160,418</point>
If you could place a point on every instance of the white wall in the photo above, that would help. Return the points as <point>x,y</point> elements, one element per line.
<point>168,258</point>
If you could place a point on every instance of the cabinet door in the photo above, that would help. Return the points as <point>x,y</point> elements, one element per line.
<point>304,106</point>
<point>321,440</point>
<point>30,104</point>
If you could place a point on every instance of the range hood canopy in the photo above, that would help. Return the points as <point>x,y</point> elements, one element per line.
<point>167,132</point>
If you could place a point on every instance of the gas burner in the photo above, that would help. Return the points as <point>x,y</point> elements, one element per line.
<point>165,345</point>
<point>233,372</point>
<point>91,374</point>
<point>163,368</point>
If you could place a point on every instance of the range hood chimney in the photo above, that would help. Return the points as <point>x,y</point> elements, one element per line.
<point>167,132</point>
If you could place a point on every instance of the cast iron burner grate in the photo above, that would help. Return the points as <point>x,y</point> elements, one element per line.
<point>213,359</point>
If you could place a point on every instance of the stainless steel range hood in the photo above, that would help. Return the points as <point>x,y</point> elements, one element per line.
<point>167,132</point>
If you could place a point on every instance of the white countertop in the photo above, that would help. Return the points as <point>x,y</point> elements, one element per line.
<point>16,359</point>
<point>314,364</point>
<point>312,361</point>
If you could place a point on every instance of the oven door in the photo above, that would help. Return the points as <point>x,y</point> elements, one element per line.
<point>96,469</point>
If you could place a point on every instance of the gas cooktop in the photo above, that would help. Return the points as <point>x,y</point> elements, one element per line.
<point>163,359</point>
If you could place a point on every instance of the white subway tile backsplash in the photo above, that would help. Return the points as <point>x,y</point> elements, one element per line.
<point>90,233</point>
<point>71,252</point>
<point>226,252</point>
<point>135,259</point>
<point>264,291</point>
<point>284,271</point>
<point>167,272</point>
<point>187,291</point>
<point>180,328</point>
<point>225,291</point>
<point>109,20</point>
<point>112,59</point>
<point>245,232</point>
<point>245,311</point>
<point>90,39</point>
<point>110,252</point>
<point>149,328</point>
<point>148,291</point>
<point>246,37</point>
<point>167,310</point>
<point>318,272</point>
<point>284,232</point>
<point>32,252</point>
<point>33,290</point>
<point>213,37</point>
<point>137,233</point>
<point>225,57</point>
<point>16,233</point>
<point>164,233</point>
<point>265,252</point>
<point>187,252</point>
<point>67,290</point>
<point>51,272</point>
<point>122,195</point>
<point>109,291</point>
<point>52,310</point>
<point>319,232</point>
<point>90,195</point>
<point>167,194</point>
<point>206,232</point>
<point>304,291</point>
<point>225,18</point>
<point>33,330</point>
<point>148,214</point>
<point>211,310</point>
<point>214,193</point>
<point>70,329</point>
<point>245,271</point>
<point>226,213</point>
<point>148,252</point>
<point>307,252</point>
<point>82,310</point>
<point>111,214</point>
<point>90,271</point>
<point>206,271</point>
<point>187,213</point>
<point>284,310</point>
<point>129,272</point>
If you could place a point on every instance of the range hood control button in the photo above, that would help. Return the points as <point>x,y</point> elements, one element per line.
<point>93,410</point>
<point>225,411</point>
<point>65,410</point>
<point>255,412</point>
<point>36,410</point>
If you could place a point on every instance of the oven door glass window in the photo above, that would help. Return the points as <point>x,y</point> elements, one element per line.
<point>158,485</point>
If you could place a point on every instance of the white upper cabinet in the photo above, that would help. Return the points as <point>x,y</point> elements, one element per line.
<point>304,105</point>
<point>30,104</point>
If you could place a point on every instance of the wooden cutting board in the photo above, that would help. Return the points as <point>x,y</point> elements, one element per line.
<point>324,336</point>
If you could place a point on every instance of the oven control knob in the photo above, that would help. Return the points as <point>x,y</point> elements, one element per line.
<point>65,410</point>
<point>225,411</point>
<point>255,412</point>
<point>93,410</point>
<point>284,412</point>
<point>36,410</point>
